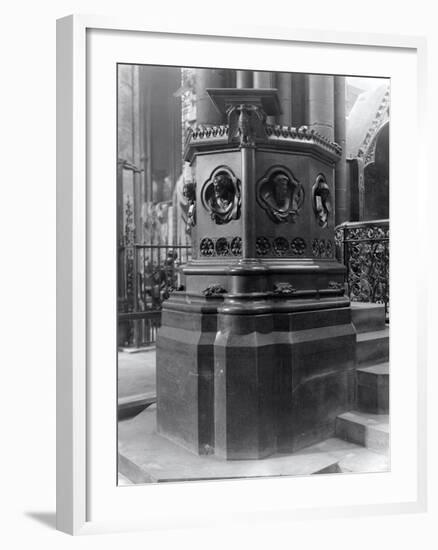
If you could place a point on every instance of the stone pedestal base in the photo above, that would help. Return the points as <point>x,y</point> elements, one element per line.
<point>246,378</point>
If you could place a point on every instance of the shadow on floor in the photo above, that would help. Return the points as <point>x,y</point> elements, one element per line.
<point>45,518</point>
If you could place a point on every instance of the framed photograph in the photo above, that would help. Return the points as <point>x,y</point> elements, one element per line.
<point>232,319</point>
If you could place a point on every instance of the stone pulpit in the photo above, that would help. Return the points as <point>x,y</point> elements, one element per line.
<point>256,354</point>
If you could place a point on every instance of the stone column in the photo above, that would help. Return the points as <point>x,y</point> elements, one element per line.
<point>265,79</point>
<point>206,112</point>
<point>342,191</point>
<point>321,105</point>
<point>248,202</point>
<point>244,79</point>
<point>299,99</point>
<point>285,96</point>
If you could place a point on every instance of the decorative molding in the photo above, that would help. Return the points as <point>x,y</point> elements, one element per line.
<point>221,195</point>
<point>367,149</point>
<point>207,247</point>
<point>263,246</point>
<point>298,246</point>
<point>207,132</point>
<point>280,246</point>
<point>272,136</point>
<point>280,194</point>
<point>334,285</point>
<point>322,248</point>
<point>321,202</point>
<point>236,246</point>
<point>284,289</point>
<point>220,246</point>
<point>302,134</point>
<point>214,290</point>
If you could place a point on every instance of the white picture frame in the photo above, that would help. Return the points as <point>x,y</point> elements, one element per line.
<point>76,315</point>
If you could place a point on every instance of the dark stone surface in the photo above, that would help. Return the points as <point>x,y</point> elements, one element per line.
<point>266,361</point>
<point>185,378</point>
<point>248,385</point>
<point>373,389</point>
<point>368,317</point>
<point>373,347</point>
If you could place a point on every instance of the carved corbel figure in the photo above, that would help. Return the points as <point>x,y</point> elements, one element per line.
<point>189,192</point>
<point>246,124</point>
<point>321,201</point>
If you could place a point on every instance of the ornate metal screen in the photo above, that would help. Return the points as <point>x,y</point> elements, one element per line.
<point>364,249</point>
<point>147,275</point>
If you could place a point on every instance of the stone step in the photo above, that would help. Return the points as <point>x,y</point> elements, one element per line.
<point>132,405</point>
<point>373,389</point>
<point>369,430</point>
<point>372,347</point>
<point>365,461</point>
<point>146,457</point>
<point>368,317</point>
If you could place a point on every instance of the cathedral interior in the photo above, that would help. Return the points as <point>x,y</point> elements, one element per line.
<point>253,273</point>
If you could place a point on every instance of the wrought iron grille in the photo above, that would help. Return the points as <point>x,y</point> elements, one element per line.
<point>363,247</point>
<point>147,276</point>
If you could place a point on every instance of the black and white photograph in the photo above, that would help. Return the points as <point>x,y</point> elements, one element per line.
<point>252,275</point>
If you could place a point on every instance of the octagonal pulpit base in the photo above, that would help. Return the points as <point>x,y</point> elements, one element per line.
<point>245,379</point>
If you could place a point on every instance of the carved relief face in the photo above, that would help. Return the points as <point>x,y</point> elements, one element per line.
<point>220,195</point>
<point>281,189</point>
<point>281,195</point>
<point>223,189</point>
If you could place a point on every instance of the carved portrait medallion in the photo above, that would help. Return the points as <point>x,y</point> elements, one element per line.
<point>321,201</point>
<point>221,195</point>
<point>280,194</point>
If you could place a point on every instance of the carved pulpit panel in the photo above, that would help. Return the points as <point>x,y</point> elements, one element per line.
<point>280,194</point>
<point>221,195</point>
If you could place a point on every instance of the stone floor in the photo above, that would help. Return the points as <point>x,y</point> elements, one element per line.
<point>136,381</point>
<point>146,457</point>
<point>136,372</point>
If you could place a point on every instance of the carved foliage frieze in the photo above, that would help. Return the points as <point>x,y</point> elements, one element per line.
<point>221,246</point>
<point>280,246</point>
<point>214,290</point>
<point>280,194</point>
<point>221,196</point>
<point>322,248</point>
<point>284,289</point>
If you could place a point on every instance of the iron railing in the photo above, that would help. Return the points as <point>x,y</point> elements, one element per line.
<point>147,276</point>
<point>363,247</point>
